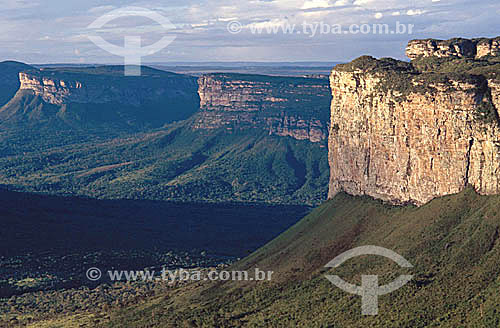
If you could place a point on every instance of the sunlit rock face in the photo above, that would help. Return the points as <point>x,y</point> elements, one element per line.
<point>285,106</point>
<point>458,48</point>
<point>407,137</point>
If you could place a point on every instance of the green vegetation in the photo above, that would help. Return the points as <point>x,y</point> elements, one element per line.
<point>48,243</point>
<point>371,64</point>
<point>401,85</point>
<point>488,67</point>
<point>179,164</point>
<point>143,146</point>
<point>108,105</point>
<point>452,243</point>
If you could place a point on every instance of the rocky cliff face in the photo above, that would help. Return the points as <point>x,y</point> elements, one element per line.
<point>284,106</point>
<point>454,48</point>
<point>406,137</point>
<point>50,90</point>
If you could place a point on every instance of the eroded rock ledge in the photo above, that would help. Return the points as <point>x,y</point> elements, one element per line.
<point>407,136</point>
<point>458,48</point>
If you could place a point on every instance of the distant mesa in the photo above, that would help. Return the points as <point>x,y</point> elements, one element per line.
<point>101,98</point>
<point>97,98</point>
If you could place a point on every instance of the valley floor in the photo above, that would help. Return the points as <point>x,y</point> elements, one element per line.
<point>452,243</point>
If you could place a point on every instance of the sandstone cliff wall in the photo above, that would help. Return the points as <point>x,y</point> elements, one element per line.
<point>284,106</point>
<point>406,137</point>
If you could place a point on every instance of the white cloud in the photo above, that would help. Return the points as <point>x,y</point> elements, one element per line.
<point>363,2</point>
<point>415,12</point>
<point>309,4</point>
<point>341,3</point>
<point>268,24</point>
<point>227,19</point>
<point>18,4</point>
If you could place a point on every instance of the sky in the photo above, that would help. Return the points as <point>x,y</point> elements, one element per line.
<point>58,31</point>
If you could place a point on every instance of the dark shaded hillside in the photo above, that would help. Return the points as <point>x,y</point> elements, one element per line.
<point>48,243</point>
<point>9,79</point>
<point>452,243</point>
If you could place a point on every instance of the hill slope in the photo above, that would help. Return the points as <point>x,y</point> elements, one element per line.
<point>9,81</point>
<point>452,243</point>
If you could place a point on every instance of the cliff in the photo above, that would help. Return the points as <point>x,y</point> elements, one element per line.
<point>454,48</point>
<point>405,136</point>
<point>283,106</point>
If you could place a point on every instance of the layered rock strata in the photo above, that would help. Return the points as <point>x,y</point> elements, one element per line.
<point>407,137</point>
<point>283,106</point>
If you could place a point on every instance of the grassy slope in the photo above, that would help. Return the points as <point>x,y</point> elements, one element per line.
<point>452,243</point>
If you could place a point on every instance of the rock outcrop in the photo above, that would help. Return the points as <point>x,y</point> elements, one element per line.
<point>406,137</point>
<point>283,106</point>
<point>454,48</point>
